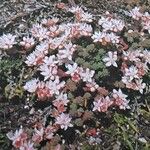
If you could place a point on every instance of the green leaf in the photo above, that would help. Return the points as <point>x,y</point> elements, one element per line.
<point>73,107</point>
<point>70,95</point>
<point>79,122</point>
<point>87,95</point>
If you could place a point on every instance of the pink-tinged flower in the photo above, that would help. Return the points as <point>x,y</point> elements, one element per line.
<point>55,86</point>
<point>43,91</point>
<point>133,56</point>
<point>35,58</point>
<point>106,24</point>
<point>142,69</point>
<point>101,37</point>
<point>74,71</point>
<point>124,66</point>
<point>135,13</point>
<point>72,30</point>
<point>38,135</point>
<point>111,59</point>
<point>140,86</point>
<point>131,73</point>
<point>31,85</point>
<point>137,85</point>
<point>86,17</point>
<point>80,15</point>
<point>57,43</point>
<point>146,21</point>
<point>146,55</point>
<point>125,79</point>
<point>61,5</point>
<point>105,38</point>
<point>54,31</point>
<point>39,32</point>
<point>75,9</point>
<point>85,29</point>
<point>118,25</point>
<point>40,88</point>
<point>27,146</point>
<point>111,24</point>
<point>49,132</point>
<point>55,113</point>
<point>7,41</point>
<point>67,52</point>
<point>92,87</point>
<point>18,138</point>
<point>145,17</point>
<point>70,46</point>
<point>43,47</point>
<point>102,104</point>
<point>49,72</point>
<point>27,42</point>
<point>119,94</point>
<point>49,68</point>
<point>64,27</point>
<point>113,38</point>
<point>64,121</point>
<point>71,68</point>
<point>62,97</point>
<point>60,102</point>
<point>120,99</point>
<point>103,20</point>
<point>49,22</point>
<point>131,85</point>
<point>87,75</point>
<point>77,30</point>
<point>76,77</point>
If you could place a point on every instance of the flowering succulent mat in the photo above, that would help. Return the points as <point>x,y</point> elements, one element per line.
<point>75,76</point>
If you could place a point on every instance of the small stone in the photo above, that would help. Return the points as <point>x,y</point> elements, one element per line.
<point>142,139</point>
